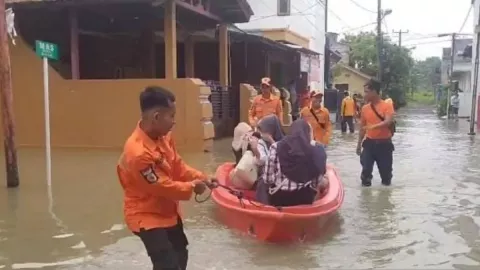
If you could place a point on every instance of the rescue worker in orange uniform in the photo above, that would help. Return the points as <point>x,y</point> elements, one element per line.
<point>375,137</point>
<point>347,112</point>
<point>154,179</point>
<point>306,98</point>
<point>319,118</point>
<point>265,104</point>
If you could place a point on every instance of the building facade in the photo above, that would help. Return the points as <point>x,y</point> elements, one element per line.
<point>298,22</point>
<point>476,15</point>
<point>339,48</point>
<point>462,72</point>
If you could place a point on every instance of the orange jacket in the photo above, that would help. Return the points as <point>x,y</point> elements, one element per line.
<point>154,179</point>
<point>322,129</point>
<point>348,107</point>
<point>369,118</point>
<point>305,100</point>
<point>262,107</point>
<point>390,101</point>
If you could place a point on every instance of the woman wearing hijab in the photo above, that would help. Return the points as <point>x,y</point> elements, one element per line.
<point>242,138</point>
<point>295,167</point>
<point>271,131</point>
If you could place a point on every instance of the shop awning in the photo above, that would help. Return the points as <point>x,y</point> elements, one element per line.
<point>237,34</point>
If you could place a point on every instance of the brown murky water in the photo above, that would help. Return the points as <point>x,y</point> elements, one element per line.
<point>429,218</point>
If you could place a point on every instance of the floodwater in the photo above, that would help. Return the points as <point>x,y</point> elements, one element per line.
<point>428,219</point>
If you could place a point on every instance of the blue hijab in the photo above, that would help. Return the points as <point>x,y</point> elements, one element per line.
<point>299,160</point>
<point>271,124</point>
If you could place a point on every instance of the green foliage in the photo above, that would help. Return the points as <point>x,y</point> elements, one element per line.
<point>442,103</point>
<point>336,71</point>
<point>363,52</point>
<point>421,98</point>
<point>401,73</point>
<point>427,73</point>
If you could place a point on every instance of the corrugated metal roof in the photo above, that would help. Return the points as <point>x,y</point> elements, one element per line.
<point>26,1</point>
<point>236,10</point>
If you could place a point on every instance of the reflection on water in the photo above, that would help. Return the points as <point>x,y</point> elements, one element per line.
<point>429,218</point>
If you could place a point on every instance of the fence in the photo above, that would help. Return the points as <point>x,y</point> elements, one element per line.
<point>225,106</point>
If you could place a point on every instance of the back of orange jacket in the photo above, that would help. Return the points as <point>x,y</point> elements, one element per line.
<point>154,179</point>
<point>262,107</point>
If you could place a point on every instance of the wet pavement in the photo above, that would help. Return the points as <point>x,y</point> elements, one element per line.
<point>428,219</point>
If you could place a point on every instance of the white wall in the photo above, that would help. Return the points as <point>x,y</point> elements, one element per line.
<point>465,83</point>
<point>476,13</point>
<point>307,19</point>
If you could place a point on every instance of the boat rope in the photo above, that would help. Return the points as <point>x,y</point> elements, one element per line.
<point>198,200</point>
<point>237,193</point>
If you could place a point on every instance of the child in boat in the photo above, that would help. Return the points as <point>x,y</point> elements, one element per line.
<point>245,149</point>
<point>295,168</point>
<point>271,131</point>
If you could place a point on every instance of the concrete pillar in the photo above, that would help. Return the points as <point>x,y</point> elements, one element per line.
<point>74,58</point>
<point>190,58</point>
<point>223,54</point>
<point>170,30</point>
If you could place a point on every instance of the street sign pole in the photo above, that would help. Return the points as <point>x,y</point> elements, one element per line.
<point>46,102</point>
<point>47,51</point>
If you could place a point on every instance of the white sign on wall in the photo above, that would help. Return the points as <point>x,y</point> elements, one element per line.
<point>304,63</point>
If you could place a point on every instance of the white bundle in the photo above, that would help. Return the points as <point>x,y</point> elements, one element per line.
<point>10,18</point>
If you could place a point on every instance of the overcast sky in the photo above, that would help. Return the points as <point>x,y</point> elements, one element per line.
<point>424,19</point>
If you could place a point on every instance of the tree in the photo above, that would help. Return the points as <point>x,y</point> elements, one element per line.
<point>428,73</point>
<point>397,64</point>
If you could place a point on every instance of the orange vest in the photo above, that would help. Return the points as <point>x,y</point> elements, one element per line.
<point>262,107</point>
<point>322,129</point>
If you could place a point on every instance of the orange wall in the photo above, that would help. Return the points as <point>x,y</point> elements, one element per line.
<point>98,113</point>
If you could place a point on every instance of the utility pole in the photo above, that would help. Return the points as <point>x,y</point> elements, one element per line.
<point>473,117</point>
<point>326,73</point>
<point>450,88</point>
<point>400,36</point>
<point>379,40</point>
<point>6,98</point>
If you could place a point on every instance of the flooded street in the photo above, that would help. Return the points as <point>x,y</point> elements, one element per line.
<point>428,219</point>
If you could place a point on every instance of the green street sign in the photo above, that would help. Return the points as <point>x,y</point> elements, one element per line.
<point>46,49</point>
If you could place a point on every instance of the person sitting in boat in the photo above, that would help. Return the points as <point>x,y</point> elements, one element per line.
<point>247,156</point>
<point>243,138</point>
<point>295,168</point>
<point>271,131</point>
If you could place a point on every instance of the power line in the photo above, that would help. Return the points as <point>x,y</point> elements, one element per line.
<point>358,28</point>
<point>362,7</point>
<point>385,24</point>
<point>428,42</point>
<point>307,18</point>
<point>400,32</point>
<point>466,18</point>
<point>291,14</point>
<point>333,13</point>
<point>421,38</point>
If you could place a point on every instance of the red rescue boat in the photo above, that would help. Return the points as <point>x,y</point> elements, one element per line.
<point>268,223</point>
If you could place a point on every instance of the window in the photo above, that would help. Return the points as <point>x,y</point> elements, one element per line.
<point>283,7</point>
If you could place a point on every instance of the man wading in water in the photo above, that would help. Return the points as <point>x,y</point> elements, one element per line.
<point>154,179</point>
<point>375,136</point>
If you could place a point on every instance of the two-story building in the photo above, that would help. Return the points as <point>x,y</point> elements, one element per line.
<point>296,23</point>
<point>462,72</point>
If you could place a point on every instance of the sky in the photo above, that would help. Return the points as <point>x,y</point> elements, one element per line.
<point>424,20</point>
